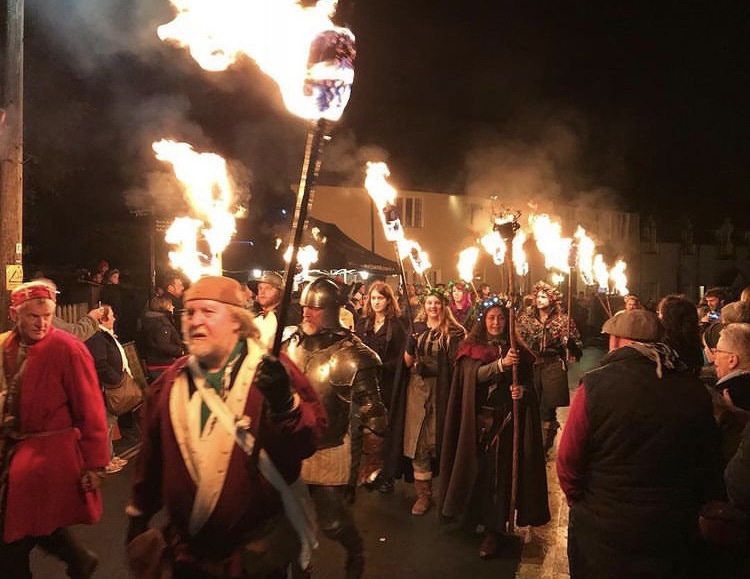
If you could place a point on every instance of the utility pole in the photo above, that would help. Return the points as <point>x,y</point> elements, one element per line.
<point>11,156</point>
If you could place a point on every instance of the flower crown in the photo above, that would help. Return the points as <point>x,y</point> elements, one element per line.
<point>462,285</point>
<point>437,292</point>
<point>492,301</point>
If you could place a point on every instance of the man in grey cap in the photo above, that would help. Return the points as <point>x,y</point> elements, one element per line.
<point>637,458</point>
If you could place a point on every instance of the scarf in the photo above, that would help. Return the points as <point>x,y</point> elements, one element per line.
<point>659,353</point>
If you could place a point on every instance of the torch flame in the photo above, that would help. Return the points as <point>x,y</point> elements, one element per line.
<point>551,243</point>
<point>466,261</point>
<point>585,248</point>
<point>383,194</point>
<point>210,192</point>
<point>309,57</point>
<point>306,256</point>
<point>495,246</point>
<point>618,277</point>
<point>420,261</point>
<point>519,255</point>
<point>601,274</point>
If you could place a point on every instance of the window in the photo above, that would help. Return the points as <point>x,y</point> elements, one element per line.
<point>410,211</point>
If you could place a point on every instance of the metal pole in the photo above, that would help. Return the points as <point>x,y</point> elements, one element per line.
<point>310,169</point>
<point>402,273</point>
<point>516,427</point>
<point>11,158</point>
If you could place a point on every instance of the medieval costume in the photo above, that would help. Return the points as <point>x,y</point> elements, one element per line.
<point>222,455</point>
<point>553,337</point>
<point>477,445</point>
<point>419,404</point>
<point>344,373</point>
<point>54,430</point>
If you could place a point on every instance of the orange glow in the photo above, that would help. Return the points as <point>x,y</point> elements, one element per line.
<point>309,57</point>
<point>210,192</point>
<point>467,259</point>
<point>553,246</point>
<point>383,195</point>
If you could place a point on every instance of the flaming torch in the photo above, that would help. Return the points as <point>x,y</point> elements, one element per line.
<point>383,195</point>
<point>314,71</point>
<point>332,50</point>
<point>466,261</point>
<point>506,227</point>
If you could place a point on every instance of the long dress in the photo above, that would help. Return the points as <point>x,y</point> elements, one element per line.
<point>477,445</point>
<point>428,381</point>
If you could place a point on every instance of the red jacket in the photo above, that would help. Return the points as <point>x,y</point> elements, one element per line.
<point>61,411</point>
<point>247,499</point>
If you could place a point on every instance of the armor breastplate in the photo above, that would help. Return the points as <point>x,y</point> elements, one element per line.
<point>331,364</point>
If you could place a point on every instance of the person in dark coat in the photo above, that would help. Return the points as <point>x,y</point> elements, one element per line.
<point>477,449</point>
<point>638,457</point>
<point>161,340</point>
<point>380,328</point>
<point>110,361</point>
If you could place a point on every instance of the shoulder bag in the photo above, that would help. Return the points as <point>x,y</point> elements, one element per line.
<point>124,396</point>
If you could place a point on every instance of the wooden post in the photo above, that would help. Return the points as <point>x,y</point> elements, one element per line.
<point>11,156</point>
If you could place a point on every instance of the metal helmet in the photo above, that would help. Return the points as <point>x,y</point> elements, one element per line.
<point>323,293</point>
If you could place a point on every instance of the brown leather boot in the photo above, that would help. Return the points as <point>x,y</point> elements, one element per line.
<point>424,497</point>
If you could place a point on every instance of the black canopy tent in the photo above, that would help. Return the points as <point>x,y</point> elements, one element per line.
<point>336,251</point>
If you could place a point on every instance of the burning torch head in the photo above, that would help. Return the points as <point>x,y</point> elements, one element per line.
<point>507,229</point>
<point>330,72</point>
<point>323,293</point>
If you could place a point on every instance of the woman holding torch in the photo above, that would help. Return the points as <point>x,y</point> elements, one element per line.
<point>477,445</point>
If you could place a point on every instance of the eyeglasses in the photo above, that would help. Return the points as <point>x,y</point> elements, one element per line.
<point>719,351</point>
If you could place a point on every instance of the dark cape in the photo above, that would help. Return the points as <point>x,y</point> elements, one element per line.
<point>396,465</point>
<point>476,483</point>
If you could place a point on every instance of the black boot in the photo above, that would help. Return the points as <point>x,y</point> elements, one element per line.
<point>549,431</point>
<point>349,538</point>
<point>80,561</point>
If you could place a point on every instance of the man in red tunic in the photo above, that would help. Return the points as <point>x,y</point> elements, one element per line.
<point>53,438</point>
<point>225,430</point>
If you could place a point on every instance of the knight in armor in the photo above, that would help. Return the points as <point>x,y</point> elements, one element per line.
<point>344,372</point>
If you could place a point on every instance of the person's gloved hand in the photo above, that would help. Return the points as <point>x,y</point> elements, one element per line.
<point>273,382</point>
<point>411,345</point>
<point>573,350</point>
<point>136,526</point>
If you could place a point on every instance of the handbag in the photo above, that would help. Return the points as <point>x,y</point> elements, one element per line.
<point>123,397</point>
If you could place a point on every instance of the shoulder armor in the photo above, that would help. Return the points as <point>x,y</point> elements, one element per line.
<point>353,356</point>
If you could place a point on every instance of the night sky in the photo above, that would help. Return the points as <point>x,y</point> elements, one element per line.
<point>630,105</point>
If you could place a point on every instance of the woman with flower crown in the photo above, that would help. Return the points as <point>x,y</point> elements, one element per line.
<point>477,444</point>
<point>461,303</point>
<point>419,405</point>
